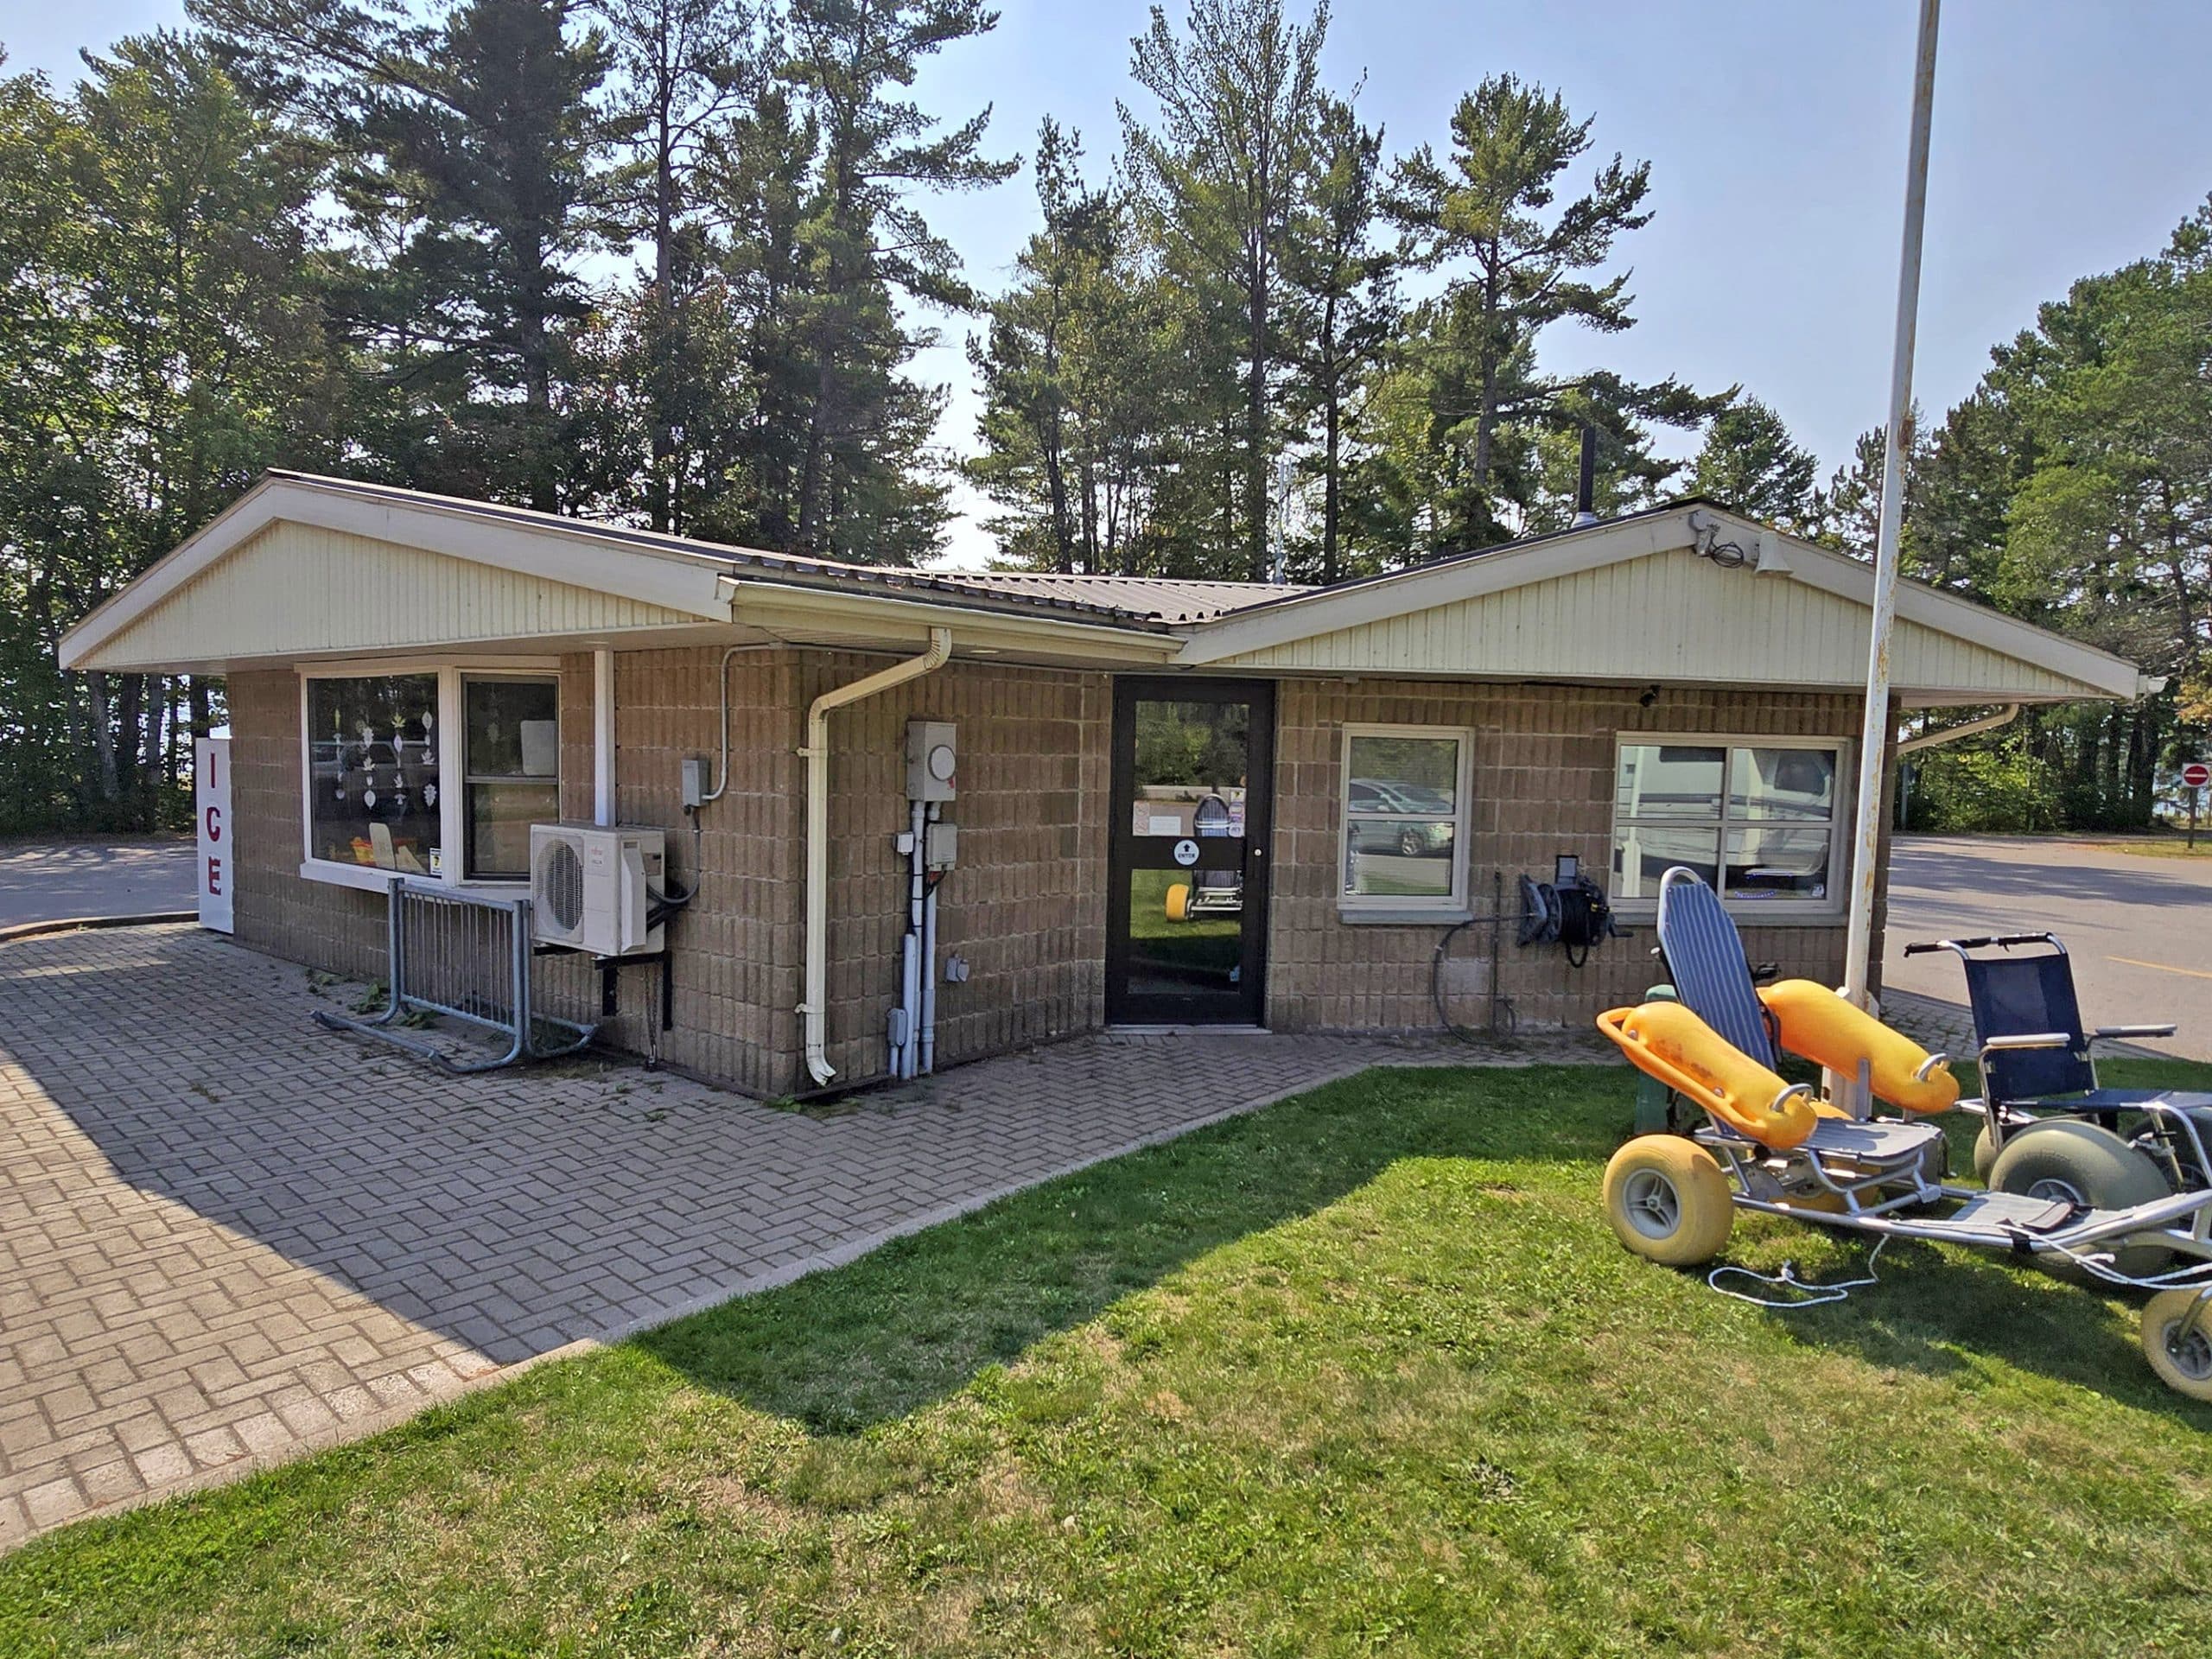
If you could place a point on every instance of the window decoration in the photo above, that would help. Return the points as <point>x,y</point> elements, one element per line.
<point>372,772</point>
<point>1754,817</point>
<point>1405,816</point>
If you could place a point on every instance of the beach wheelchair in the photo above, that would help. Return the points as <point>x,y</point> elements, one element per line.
<point>1767,1145</point>
<point>2038,1071</point>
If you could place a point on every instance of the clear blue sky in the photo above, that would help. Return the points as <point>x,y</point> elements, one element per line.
<point>2070,137</point>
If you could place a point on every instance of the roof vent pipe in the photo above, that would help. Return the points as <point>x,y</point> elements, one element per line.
<point>1586,486</point>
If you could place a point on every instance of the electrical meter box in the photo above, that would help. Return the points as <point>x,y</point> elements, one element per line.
<point>931,759</point>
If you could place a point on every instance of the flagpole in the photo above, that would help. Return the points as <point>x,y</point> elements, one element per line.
<point>1873,743</point>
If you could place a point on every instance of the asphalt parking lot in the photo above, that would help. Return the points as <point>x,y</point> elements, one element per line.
<point>2138,928</point>
<point>61,880</point>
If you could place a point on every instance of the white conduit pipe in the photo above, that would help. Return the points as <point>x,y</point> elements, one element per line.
<point>814,1010</point>
<point>2003,716</point>
<point>721,675</point>
<point>602,736</point>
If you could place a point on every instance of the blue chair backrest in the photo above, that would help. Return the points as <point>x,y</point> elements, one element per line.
<point>1705,961</point>
<point>2027,996</point>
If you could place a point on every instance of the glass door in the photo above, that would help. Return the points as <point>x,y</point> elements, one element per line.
<point>1186,912</point>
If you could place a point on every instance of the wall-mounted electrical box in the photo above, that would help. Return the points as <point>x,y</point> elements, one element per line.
<point>694,780</point>
<point>941,845</point>
<point>931,759</point>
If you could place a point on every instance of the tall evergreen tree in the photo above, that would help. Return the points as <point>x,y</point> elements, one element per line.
<point>683,67</point>
<point>1342,280</point>
<point>1749,461</point>
<point>1486,214</point>
<point>1238,91</point>
<point>870,249</point>
<point>472,162</point>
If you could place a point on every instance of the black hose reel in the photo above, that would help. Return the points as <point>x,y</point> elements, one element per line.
<point>1570,910</point>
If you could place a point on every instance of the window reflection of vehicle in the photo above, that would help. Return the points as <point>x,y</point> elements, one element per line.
<point>1410,838</point>
<point>1768,834</point>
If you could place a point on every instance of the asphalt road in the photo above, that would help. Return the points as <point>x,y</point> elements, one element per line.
<point>51,881</point>
<point>2139,930</point>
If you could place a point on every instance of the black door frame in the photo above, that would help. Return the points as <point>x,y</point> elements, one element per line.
<point>1128,851</point>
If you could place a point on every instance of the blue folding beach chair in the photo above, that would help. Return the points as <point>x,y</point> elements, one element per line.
<point>2036,1062</point>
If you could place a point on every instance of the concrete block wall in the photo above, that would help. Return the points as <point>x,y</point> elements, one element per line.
<point>1542,785</point>
<point>336,928</point>
<point>736,951</point>
<point>1026,905</point>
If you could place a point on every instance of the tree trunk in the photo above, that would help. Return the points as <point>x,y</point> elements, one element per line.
<point>1330,505</point>
<point>1256,418</point>
<point>662,487</point>
<point>1486,416</point>
<point>130,707</point>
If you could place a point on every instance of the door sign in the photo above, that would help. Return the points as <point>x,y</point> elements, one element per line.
<point>1186,852</point>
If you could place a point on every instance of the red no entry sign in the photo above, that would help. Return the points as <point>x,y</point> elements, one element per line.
<point>2197,774</point>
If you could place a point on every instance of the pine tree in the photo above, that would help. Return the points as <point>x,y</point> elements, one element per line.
<point>1342,280</point>
<point>1750,462</point>
<point>472,156</point>
<point>870,249</point>
<point>1221,172</point>
<point>1484,215</point>
<point>684,68</point>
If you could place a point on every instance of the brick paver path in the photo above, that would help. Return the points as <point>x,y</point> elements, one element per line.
<point>227,1236</point>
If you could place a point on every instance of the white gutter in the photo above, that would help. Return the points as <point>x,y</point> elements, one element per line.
<point>1865,862</point>
<point>814,1010</point>
<point>1937,740</point>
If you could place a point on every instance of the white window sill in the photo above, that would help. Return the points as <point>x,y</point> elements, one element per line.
<point>369,878</point>
<point>1402,916</point>
<point>363,877</point>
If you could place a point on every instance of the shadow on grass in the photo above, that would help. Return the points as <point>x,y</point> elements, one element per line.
<point>917,1320</point>
<point>1945,1313</point>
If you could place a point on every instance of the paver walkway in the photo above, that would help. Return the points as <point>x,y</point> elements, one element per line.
<point>227,1236</point>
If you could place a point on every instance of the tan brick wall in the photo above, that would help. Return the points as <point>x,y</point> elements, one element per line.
<point>1542,785</point>
<point>1026,904</point>
<point>736,951</point>
<point>333,928</point>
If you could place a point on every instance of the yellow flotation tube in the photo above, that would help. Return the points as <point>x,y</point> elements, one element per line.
<point>1819,1026</point>
<point>1673,1045</point>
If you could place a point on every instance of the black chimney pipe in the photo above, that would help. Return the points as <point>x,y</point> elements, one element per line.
<point>1585,488</point>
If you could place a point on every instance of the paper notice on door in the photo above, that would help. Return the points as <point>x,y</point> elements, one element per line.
<point>1167,824</point>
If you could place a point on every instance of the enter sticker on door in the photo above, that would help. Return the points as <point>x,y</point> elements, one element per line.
<point>1186,853</point>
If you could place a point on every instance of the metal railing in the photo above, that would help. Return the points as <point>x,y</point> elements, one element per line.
<point>466,956</point>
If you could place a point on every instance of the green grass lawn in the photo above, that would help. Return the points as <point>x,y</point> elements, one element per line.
<point>1364,1373</point>
<point>2158,846</point>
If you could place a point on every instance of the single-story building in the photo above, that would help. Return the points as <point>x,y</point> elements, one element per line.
<point>1176,803</point>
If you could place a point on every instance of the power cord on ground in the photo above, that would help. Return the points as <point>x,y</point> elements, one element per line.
<point>1806,1295</point>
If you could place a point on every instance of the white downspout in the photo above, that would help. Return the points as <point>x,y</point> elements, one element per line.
<point>602,736</point>
<point>814,1009</point>
<point>2003,716</point>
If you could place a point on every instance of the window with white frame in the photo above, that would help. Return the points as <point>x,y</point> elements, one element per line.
<point>428,772</point>
<point>1756,816</point>
<point>512,736</point>
<point>372,772</point>
<point>1405,795</point>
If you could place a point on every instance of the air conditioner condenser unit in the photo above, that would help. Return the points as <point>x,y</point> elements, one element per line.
<point>592,888</point>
